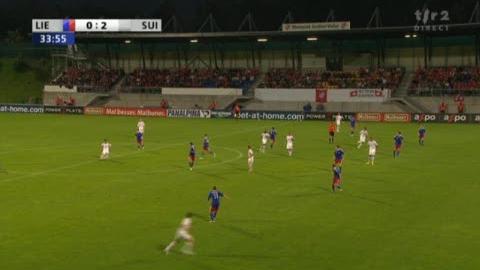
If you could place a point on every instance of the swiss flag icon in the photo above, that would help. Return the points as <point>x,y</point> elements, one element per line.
<point>378,93</point>
<point>354,93</point>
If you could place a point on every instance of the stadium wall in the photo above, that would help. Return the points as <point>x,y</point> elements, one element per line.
<point>254,115</point>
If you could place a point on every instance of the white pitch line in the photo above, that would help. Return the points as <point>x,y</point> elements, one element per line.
<point>124,155</point>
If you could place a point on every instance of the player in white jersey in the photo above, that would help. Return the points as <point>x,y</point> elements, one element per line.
<point>265,136</point>
<point>372,151</point>
<point>141,126</point>
<point>363,137</point>
<point>338,121</point>
<point>290,140</point>
<point>183,234</point>
<point>250,159</point>
<point>105,149</point>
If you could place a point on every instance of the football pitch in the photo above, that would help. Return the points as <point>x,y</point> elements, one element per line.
<point>63,208</point>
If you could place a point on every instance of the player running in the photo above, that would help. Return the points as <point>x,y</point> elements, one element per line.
<point>331,132</point>
<point>105,150</point>
<point>363,137</point>
<point>338,156</point>
<point>214,195</point>
<point>250,159</point>
<point>141,126</point>
<point>265,136</point>
<point>206,147</point>
<point>372,151</point>
<point>290,140</point>
<point>338,121</point>
<point>421,135</point>
<point>139,136</point>
<point>183,234</point>
<point>191,156</point>
<point>353,124</point>
<point>337,178</point>
<point>398,141</point>
<point>273,136</point>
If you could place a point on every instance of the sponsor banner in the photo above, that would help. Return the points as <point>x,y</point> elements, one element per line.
<point>221,114</point>
<point>94,110</point>
<point>445,118</point>
<point>153,112</point>
<point>188,113</point>
<point>316,116</point>
<point>426,117</point>
<point>369,117</point>
<point>272,115</point>
<point>315,26</point>
<point>357,95</point>
<point>455,118</point>
<point>397,117</point>
<point>21,108</point>
<point>321,95</point>
<point>475,118</point>
<point>346,116</point>
<point>63,110</point>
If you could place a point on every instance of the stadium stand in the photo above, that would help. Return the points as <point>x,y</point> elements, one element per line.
<point>445,80</point>
<point>186,77</point>
<point>361,78</point>
<point>88,79</point>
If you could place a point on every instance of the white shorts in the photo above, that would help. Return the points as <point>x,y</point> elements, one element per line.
<point>250,161</point>
<point>183,235</point>
<point>264,141</point>
<point>372,152</point>
<point>105,152</point>
<point>338,123</point>
<point>362,140</point>
<point>289,146</point>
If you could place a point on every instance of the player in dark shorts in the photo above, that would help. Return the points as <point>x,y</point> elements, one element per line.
<point>191,156</point>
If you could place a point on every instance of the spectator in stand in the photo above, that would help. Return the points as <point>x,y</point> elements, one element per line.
<point>213,106</point>
<point>186,77</point>
<point>443,107</point>
<point>89,78</point>
<point>307,108</point>
<point>446,79</point>
<point>164,104</point>
<point>361,78</point>
<point>71,101</point>
<point>236,111</point>
<point>58,101</point>
<point>461,106</point>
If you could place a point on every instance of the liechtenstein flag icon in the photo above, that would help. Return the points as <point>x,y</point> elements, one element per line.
<point>68,25</point>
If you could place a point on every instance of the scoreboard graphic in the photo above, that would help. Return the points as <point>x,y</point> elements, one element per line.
<point>61,32</point>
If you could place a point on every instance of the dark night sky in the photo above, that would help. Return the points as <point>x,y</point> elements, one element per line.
<point>17,14</point>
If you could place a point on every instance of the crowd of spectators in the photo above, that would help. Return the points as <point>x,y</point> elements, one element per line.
<point>362,78</point>
<point>88,78</point>
<point>187,77</point>
<point>446,79</point>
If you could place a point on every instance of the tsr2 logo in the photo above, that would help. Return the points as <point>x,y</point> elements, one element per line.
<point>429,20</point>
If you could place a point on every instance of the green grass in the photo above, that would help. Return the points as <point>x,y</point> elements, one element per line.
<point>18,87</point>
<point>62,208</point>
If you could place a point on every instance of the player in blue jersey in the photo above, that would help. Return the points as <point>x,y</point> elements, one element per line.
<point>398,142</point>
<point>353,124</point>
<point>139,136</point>
<point>337,178</point>
<point>214,197</point>
<point>206,147</point>
<point>273,136</point>
<point>191,156</point>
<point>421,135</point>
<point>338,156</point>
